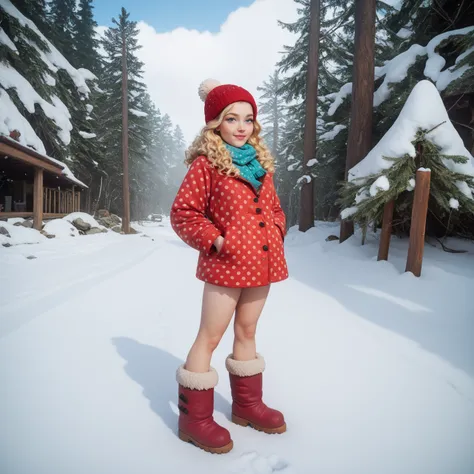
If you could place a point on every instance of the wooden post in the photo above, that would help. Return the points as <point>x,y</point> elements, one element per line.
<point>386,230</point>
<point>359,142</point>
<point>126,188</point>
<point>418,222</point>
<point>38,199</point>
<point>309,147</point>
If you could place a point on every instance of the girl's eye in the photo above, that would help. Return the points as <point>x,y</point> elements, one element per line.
<point>230,119</point>
<point>250,120</point>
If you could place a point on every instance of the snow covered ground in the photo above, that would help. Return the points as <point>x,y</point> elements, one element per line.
<point>373,368</point>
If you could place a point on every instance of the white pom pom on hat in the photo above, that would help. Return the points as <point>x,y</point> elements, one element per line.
<point>206,86</point>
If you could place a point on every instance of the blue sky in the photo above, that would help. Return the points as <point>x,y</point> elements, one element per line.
<point>165,15</point>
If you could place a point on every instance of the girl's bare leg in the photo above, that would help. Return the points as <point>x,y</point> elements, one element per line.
<point>248,311</point>
<point>218,306</point>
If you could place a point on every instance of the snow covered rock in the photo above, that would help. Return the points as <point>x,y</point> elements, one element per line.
<point>4,231</point>
<point>27,223</point>
<point>60,228</point>
<point>95,230</point>
<point>110,221</point>
<point>81,225</point>
<point>19,235</point>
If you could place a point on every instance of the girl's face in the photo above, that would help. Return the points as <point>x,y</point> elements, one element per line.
<point>237,125</point>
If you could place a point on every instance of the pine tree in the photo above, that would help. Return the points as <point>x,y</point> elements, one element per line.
<point>335,70</point>
<point>86,45</point>
<point>110,109</point>
<point>62,19</point>
<point>36,10</point>
<point>271,111</point>
<point>452,176</point>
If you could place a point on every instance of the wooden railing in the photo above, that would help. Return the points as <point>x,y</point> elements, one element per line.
<point>58,201</point>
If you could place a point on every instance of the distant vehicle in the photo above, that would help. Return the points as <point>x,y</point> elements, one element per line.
<point>155,217</point>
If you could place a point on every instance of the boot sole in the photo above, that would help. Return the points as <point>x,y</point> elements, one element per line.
<point>242,422</point>
<point>222,450</point>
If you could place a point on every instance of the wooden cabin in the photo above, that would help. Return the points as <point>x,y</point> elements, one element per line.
<point>35,185</point>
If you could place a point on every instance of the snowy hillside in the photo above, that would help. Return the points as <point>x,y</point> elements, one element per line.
<point>373,368</point>
<point>12,81</point>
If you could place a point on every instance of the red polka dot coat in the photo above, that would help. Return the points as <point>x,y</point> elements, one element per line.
<point>252,223</point>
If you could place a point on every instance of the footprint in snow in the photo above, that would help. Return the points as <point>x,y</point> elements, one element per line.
<point>254,463</point>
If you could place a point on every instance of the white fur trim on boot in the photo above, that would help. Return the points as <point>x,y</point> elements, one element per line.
<point>245,368</point>
<point>196,380</point>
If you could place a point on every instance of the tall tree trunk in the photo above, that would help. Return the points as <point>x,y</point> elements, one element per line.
<point>359,142</point>
<point>309,150</point>
<point>126,187</point>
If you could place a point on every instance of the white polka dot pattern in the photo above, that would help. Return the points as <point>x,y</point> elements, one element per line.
<point>253,225</point>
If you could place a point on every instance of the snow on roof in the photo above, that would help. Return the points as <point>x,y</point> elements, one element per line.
<point>67,173</point>
<point>423,109</point>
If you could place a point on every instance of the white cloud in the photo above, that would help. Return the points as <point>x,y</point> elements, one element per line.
<point>243,52</point>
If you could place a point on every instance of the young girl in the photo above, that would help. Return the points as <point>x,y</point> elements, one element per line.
<point>228,210</point>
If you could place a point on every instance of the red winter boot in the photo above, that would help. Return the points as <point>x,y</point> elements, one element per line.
<point>196,406</point>
<point>247,405</point>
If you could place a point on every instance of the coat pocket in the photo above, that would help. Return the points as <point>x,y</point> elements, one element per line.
<point>280,230</point>
<point>231,242</point>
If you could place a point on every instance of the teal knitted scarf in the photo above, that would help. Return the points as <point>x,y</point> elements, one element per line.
<point>245,159</point>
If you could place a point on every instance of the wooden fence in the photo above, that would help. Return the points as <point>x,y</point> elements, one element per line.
<point>56,201</point>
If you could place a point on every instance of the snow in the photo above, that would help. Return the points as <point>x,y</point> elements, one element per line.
<point>312,162</point>
<point>138,113</point>
<point>89,108</point>
<point>374,368</point>
<point>380,184</point>
<point>435,62</point>
<point>53,58</point>
<point>464,188</point>
<point>58,112</point>
<point>397,142</point>
<point>87,135</point>
<point>395,70</point>
<point>451,74</point>
<point>361,196</point>
<point>404,33</point>
<point>87,218</point>
<point>454,203</point>
<point>11,119</point>
<point>348,212</point>
<point>411,184</point>
<point>19,235</point>
<point>332,133</point>
<point>339,97</point>
<point>50,80</point>
<point>7,41</point>
<point>305,179</point>
<point>60,228</point>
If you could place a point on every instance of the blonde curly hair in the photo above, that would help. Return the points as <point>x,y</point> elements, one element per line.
<point>210,144</point>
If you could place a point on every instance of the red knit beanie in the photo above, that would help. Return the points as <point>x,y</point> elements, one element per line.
<point>217,97</point>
